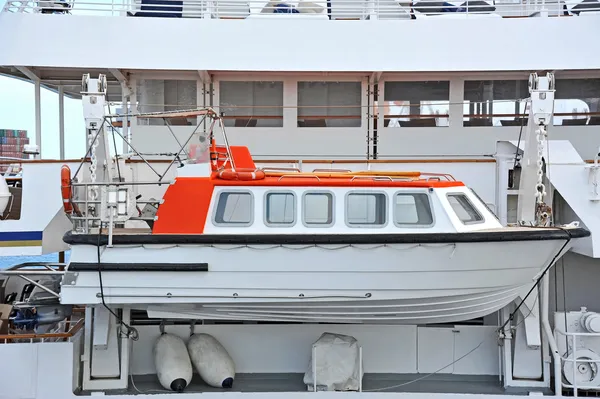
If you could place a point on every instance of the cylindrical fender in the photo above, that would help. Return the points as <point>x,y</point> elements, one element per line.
<point>211,360</point>
<point>172,362</point>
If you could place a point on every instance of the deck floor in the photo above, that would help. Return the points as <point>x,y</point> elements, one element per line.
<point>292,382</point>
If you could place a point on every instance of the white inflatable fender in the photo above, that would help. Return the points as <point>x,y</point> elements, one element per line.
<point>211,360</point>
<point>172,362</point>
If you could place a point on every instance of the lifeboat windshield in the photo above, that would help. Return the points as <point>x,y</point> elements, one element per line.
<point>198,148</point>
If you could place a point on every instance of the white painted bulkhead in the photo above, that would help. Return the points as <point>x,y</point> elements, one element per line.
<point>308,45</point>
<point>42,221</point>
<point>53,368</point>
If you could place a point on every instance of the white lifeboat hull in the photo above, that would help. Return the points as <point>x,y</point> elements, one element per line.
<point>396,283</point>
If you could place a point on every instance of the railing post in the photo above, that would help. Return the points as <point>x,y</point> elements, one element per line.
<point>574,365</point>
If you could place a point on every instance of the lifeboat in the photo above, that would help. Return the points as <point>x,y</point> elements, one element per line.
<point>242,243</point>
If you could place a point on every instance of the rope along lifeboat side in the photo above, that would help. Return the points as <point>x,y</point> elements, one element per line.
<point>241,174</point>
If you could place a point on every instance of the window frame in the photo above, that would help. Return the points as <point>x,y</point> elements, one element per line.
<point>333,208</point>
<point>413,225</point>
<point>458,193</point>
<point>265,205</point>
<point>327,107</point>
<point>234,224</point>
<point>367,225</point>
<point>251,118</point>
<point>487,207</point>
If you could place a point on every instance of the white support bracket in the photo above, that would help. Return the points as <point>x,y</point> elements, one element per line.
<point>29,72</point>
<point>205,77</point>
<point>105,367</point>
<point>101,327</point>
<point>530,312</point>
<point>126,86</point>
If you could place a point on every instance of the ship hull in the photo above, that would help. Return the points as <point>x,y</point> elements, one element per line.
<point>429,281</point>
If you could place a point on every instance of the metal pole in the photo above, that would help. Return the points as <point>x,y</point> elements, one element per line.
<point>31,272</point>
<point>39,285</point>
<point>136,151</point>
<point>222,126</point>
<point>61,120</point>
<point>125,120</point>
<point>182,148</point>
<point>545,295</point>
<point>38,116</point>
<point>175,137</point>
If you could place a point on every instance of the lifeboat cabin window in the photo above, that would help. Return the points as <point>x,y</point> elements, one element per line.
<point>280,209</point>
<point>317,209</point>
<point>412,209</point>
<point>464,209</point>
<point>366,209</point>
<point>234,208</point>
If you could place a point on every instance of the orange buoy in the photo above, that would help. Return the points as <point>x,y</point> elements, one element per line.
<point>65,188</point>
<point>241,174</point>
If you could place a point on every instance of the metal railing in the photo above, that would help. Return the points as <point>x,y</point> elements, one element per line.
<point>333,10</point>
<point>86,216</point>
<point>571,357</point>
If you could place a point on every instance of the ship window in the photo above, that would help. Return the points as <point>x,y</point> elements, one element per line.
<point>495,103</point>
<point>329,104</point>
<point>163,96</point>
<point>577,101</point>
<point>318,209</point>
<point>234,208</point>
<point>412,209</point>
<point>366,209</point>
<point>251,104</point>
<point>416,104</point>
<point>280,209</point>
<point>464,209</point>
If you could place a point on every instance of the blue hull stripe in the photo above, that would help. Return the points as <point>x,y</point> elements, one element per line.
<point>21,236</point>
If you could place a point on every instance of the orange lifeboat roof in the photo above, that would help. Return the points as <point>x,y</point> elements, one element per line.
<point>247,174</point>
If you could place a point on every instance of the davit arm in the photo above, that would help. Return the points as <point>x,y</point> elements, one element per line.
<point>531,209</point>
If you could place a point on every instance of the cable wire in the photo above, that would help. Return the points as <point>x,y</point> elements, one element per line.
<point>539,279</point>
<point>132,332</point>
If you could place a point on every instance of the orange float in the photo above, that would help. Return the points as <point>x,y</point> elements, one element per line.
<point>66,189</point>
<point>241,174</point>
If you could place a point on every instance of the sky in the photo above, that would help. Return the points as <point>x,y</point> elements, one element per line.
<point>17,111</point>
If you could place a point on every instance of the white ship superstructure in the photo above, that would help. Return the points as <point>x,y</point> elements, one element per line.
<point>488,288</point>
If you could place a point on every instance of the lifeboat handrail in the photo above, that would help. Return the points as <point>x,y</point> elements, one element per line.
<point>447,176</point>
<point>123,183</point>
<point>277,169</point>
<point>74,329</point>
<point>307,175</point>
<point>373,177</point>
<point>332,170</point>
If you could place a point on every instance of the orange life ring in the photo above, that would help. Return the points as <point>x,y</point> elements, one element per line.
<point>65,188</point>
<point>241,174</point>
